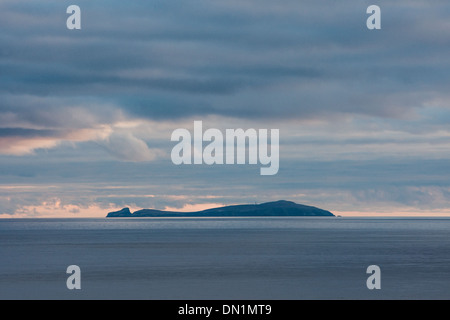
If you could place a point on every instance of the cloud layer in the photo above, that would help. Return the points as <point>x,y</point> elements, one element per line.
<point>94,107</point>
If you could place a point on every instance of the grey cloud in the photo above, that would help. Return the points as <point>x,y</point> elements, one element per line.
<point>51,112</point>
<point>338,185</point>
<point>232,60</point>
<point>127,147</point>
<point>267,61</point>
<point>22,132</point>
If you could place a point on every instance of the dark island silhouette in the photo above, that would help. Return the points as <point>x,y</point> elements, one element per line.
<point>281,208</point>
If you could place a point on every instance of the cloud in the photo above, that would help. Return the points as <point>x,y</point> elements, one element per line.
<point>164,60</point>
<point>20,146</point>
<point>54,209</point>
<point>127,147</point>
<point>363,115</point>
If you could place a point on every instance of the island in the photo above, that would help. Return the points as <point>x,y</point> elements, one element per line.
<point>281,208</point>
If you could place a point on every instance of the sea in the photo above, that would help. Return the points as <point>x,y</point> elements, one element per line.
<point>258,258</point>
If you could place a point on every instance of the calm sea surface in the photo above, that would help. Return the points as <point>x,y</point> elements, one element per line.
<point>225,258</point>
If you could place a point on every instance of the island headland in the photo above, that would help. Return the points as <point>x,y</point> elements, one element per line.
<point>281,208</point>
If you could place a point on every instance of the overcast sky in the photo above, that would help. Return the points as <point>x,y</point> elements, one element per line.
<point>86,115</point>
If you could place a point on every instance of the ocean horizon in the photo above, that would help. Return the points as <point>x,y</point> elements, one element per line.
<point>263,258</point>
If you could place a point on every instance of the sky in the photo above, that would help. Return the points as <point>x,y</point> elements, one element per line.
<point>86,115</point>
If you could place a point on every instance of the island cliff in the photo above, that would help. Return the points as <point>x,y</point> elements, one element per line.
<point>281,208</point>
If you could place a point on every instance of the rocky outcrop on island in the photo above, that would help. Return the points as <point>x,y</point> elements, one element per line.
<point>125,212</point>
<point>281,208</point>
